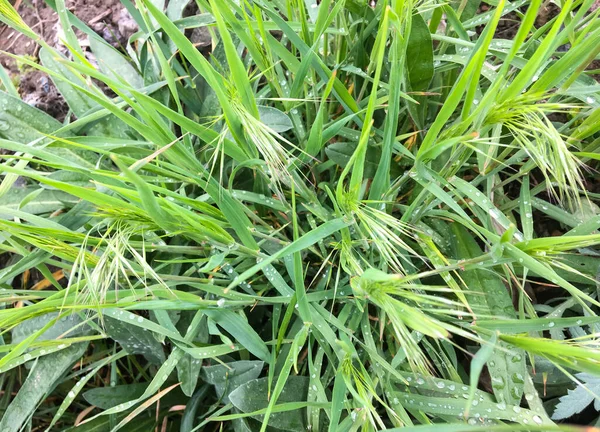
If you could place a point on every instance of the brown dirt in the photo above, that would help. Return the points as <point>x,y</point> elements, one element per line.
<point>38,90</point>
<point>41,18</point>
<point>508,26</point>
<point>108,18</point>
<point>595,66</point>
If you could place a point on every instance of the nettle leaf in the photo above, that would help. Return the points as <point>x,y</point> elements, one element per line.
<point>188,370</point>
<point>175,8</point>
<point>228,377</point>
<point>108,397</point>
<point>114,64</point>
<point>46,201</point>
<point>252,396</point>
<point>79,102</point>
<point>105,423</point>
<point>275,119</point>
<point>507,366</point>
<point>577,400</point>
<point>239,328</point>
<point>73,178</point>
<point>41,380</point>
<point>550,378</point>
<point>82,158</point>
<point>341,152</point>
<point>419,54</point>
<point>245,425</point>
<point>135,340</point>
<point>23,123</point>
<point>59,328</point>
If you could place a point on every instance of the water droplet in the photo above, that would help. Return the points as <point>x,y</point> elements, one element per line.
<point>590,100</point>
<point>518,378</point>
<point>498,382</point>
<point>4,125</point>
<point>551,324</point>
<point>537,419</point>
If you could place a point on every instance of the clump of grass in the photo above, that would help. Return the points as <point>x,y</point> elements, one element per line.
<point>345,216</point>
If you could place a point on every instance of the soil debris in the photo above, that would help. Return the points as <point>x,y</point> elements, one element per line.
<point>108,18</point>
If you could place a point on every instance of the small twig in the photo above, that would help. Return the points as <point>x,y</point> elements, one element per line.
<point>99,17</point>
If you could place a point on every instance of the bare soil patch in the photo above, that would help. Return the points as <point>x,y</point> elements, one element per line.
<point>108,18</point>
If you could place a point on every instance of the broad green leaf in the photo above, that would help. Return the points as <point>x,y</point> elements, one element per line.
<point>275,119</point>
<point>78,102</point>
<point>109,397</point>
<point>489,296</point>
<point>419,53</point>
<point>42,379</point>
<point>8,85</point>
<point>45,201</point>
<point>188,370</point>
<point>66,326</point>
<point>115,65</point>
<point>577,400</point>
<point>134,339</point>
<point>227,377</point>
<point>252,396</point>
<point>239,328</point>
<point>23,123</point>
<point>341,153</point>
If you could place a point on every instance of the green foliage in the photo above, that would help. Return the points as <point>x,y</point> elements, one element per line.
<point>343,217</point>
<point>577,400</point>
